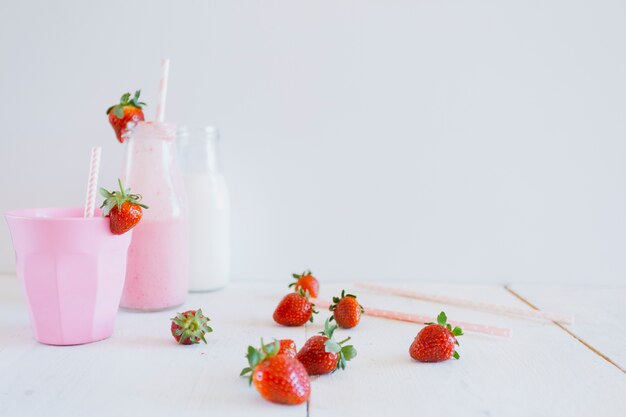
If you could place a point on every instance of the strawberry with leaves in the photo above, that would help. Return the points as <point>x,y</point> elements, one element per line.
<point>306,282</point>
<point>295,309</point>
<point>436,342</point>
<point>346,310</point>
<point>123,209</point>
<point>189,328</point>
<point>321,354</point>
<point>285,347</point>
<point>279,378</point>
<point>126,114</point>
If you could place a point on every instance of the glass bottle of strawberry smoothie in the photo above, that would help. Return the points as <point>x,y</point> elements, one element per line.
<point>158,259</point>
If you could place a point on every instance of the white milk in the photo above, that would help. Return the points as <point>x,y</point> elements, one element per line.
<point>209,232</point>
<point>209,208</point>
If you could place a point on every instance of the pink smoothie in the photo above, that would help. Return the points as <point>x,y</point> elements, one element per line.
<point>158,259</point>
<point>156,270</point>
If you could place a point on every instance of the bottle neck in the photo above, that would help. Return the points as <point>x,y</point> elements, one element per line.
<point>152,170</point>
<point>153,131</point>
<point>199,150</point>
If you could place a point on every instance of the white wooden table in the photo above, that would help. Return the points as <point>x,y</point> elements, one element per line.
<point>543,370</point>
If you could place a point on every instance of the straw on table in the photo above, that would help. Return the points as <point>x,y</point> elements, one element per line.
<point>419,319</point>
<point>493,308</point>
<point>92,183</point>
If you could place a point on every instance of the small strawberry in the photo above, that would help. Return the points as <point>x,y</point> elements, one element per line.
<point>346,310</point>
<point>294,309</point>
<point>287,347</point>
<point>278,378</point>
<point>127,111</point>
<point>306,282</point>
<point>435,342</point>
<point>190,327</point>
<point>322,355</point>
<point>123,209</point>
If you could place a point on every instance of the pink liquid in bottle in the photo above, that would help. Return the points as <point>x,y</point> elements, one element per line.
<point>158,259</point>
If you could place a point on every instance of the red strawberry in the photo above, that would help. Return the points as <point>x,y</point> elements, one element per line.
<point>190,327</point>
<point>294,309</point>
<point>127,111</point>
<point>322,355</point>
<point>123,209</point>
<point>346,310</point>
<point>287,347</point>
<point>435,342</point>
<point>306,282</point>
<point>278,378</point>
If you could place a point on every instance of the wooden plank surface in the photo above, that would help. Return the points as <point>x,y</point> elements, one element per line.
<point>600,314</point>
<point>141,371</point>
<point>541,371</point>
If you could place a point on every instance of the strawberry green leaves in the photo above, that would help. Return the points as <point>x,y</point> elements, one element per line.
<point>298,276</point>
<point>256,356</point>
<point>304,274</point>
<point>190,327</point>
<point>253,356</point>
<point>305,281</point>
<point>345,353</point>
<point>125,100</point>
<point>135,101</point>
<point>332,346</point>
<point>337,299</point>
<point>346,310</point>
<point>115,198</point>
<point>328,329</point>
<point>442,320</point>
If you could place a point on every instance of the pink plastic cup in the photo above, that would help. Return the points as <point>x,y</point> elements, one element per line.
<point>72,270</point>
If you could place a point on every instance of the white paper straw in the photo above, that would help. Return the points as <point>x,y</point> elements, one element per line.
<point>165,73</point>
<point>92,183</point>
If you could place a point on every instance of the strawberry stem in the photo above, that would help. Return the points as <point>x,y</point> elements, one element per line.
<point>344,340</point>
<point>116,198</point>
<point>119,181</point>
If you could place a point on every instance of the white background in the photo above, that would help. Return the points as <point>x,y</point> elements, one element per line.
<point>424,140</point>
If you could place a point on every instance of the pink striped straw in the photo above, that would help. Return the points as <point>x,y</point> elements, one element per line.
<point>493,308</point>
<point>165,74</point>
<point>92,183</point>
<point>414,318</point>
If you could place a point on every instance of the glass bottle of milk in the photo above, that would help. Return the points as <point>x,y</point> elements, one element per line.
<point>209,208</point>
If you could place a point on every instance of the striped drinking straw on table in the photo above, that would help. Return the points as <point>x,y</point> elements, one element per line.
<point>419,319</point>
<point>460,302</point>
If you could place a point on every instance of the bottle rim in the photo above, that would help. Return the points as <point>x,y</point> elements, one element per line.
<point>151,129</point>
<point>197,132</point>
